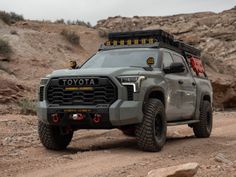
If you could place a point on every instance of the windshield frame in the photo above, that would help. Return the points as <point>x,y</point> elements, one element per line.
<point>156,65</point>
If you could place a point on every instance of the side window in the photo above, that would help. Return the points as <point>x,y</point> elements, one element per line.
<point>167,59</point>
<point>179,59</point>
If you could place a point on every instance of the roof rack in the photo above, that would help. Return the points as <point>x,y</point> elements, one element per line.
<point>187,49</point>
<point>159,35</point>
<point>148,38</point>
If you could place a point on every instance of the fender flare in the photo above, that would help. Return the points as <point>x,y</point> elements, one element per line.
<point>153,89</point>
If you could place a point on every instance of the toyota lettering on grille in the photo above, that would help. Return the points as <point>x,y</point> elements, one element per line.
<point>78,82</point>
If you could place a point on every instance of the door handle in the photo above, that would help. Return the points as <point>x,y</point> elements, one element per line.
<point>193,83</point>
<point>180,82</point>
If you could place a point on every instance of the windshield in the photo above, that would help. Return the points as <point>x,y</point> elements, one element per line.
<point>121,58</point>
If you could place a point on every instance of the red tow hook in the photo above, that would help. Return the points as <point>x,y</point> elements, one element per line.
<point>97,118</point>
<point>78,116</point>
<point>55,118</point>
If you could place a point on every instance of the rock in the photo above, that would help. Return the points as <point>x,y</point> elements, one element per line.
<point>184,170</point>
<point>107,151</point>
<point>3,58</point>
<point>224,92</point>
<point>6,141</point>
<point>222,159</point>
<point>68,157</point>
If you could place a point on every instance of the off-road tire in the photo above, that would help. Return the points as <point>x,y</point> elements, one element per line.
<point>52,138</point>
<point>204,127</point>
<point>151,133</point>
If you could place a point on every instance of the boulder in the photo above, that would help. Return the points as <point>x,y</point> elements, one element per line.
<point>184,170</point>
<point>223,159</point>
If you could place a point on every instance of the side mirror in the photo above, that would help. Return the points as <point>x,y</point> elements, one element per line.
<point>175,68</point>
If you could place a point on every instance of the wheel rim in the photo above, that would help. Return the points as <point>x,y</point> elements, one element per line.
<point>158,126</point>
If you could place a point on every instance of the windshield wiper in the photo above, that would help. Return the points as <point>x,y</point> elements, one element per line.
<point>137,66</point>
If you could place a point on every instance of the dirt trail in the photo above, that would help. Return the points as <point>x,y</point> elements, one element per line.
<point>104,153</point>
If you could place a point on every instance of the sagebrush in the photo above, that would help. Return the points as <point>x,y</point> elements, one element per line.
<point>27,106</point>
<point>11,17</point>
<point>79,22</point>
<point>71,36</point>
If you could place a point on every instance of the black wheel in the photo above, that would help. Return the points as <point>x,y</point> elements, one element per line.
<point>204,127</point>
<point>52,138</point>
<point>151,133</point>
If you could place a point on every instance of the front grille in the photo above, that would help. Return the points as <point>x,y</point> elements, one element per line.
<point>41,89</point>
<point>103,92</point>
<point>130,91</point>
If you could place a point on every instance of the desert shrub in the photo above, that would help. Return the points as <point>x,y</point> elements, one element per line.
<point>16,17</point>
<point>60,21</point>
<point>79,22</point>
<point>102,33</point>
<point>71,36</point>
<point>27,106</point>
<point>5,49</point>
<point>89,25</point>
<point>11,17</point>
<point>5,17</point>
<point>82,23</point>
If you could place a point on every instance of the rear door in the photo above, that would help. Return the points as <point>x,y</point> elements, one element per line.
<point>187,88</point>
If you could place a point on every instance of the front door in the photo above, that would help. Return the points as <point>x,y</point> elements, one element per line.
<point>173,91</point>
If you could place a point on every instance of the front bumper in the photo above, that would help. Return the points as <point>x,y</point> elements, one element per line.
<point>120,113</point>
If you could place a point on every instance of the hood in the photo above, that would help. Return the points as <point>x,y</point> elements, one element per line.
<point>97,72</point>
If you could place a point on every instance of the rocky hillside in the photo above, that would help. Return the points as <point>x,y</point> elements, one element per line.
<point>37,48</point>
<point>213,33</point>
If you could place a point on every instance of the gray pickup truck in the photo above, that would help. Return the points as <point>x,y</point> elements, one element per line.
<point>139,82</point>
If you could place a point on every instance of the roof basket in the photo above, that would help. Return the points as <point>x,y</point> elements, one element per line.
<point>160,36</point>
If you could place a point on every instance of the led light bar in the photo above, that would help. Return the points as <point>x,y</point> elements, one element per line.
<point>122,42</point>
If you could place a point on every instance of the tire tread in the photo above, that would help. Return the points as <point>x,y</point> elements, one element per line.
<point>144,131</point>
<point>51,137</point>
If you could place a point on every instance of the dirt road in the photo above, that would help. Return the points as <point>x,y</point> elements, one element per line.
<point>104,153</point>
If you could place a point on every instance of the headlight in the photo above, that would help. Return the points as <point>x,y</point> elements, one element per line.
<point>135,81</point>
<point>43,81</point>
